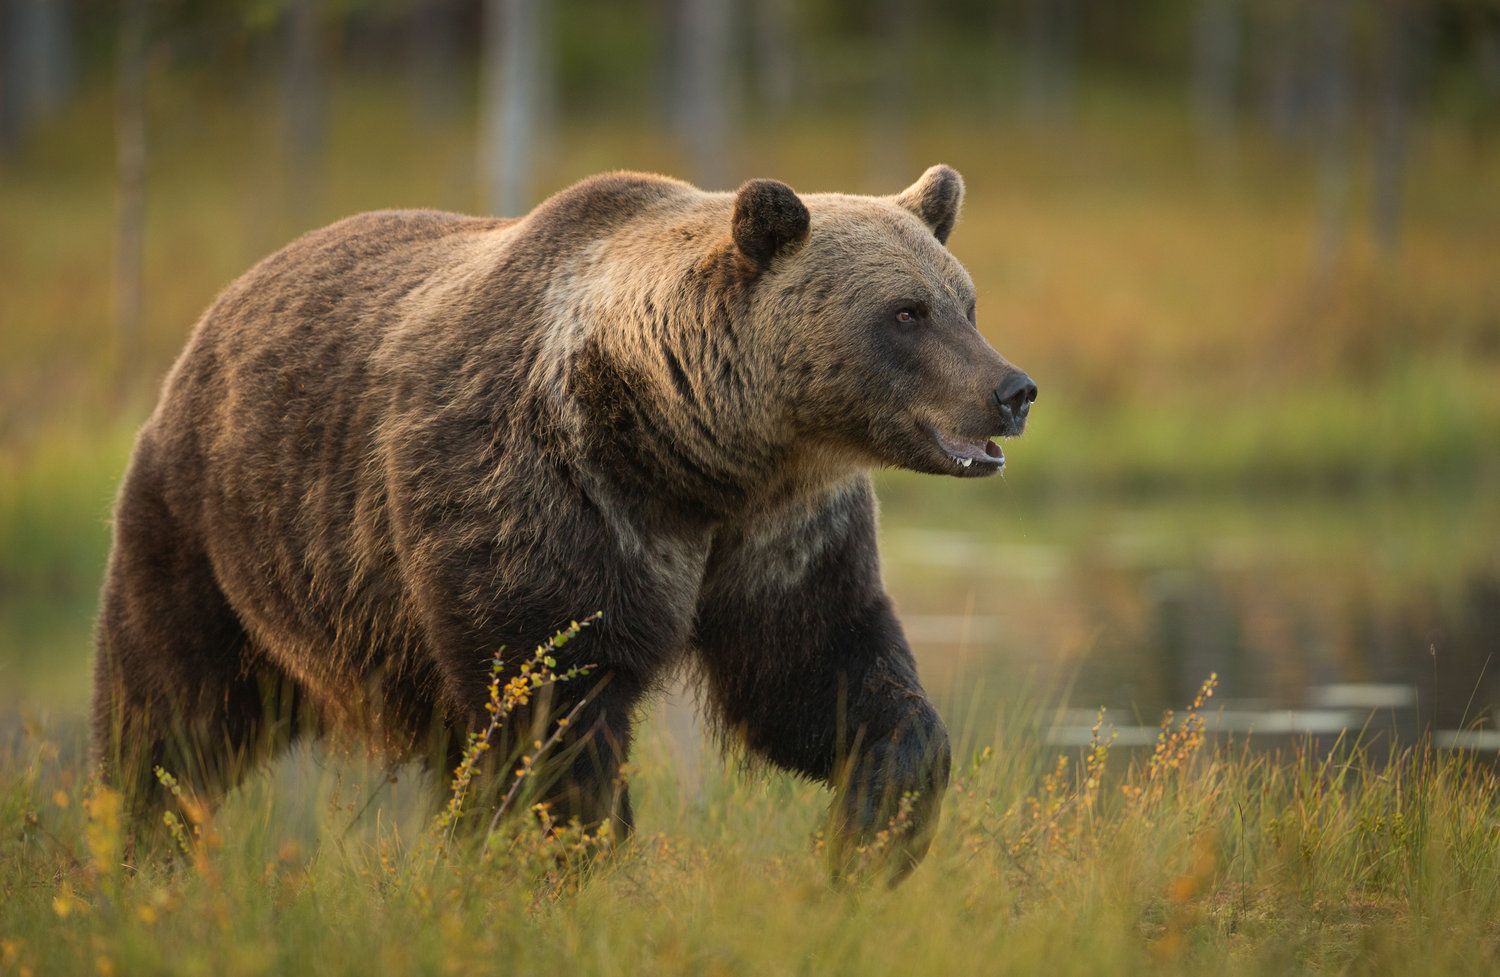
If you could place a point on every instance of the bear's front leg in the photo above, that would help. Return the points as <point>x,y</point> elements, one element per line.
<point>890,781</point>
<point>805,661</point>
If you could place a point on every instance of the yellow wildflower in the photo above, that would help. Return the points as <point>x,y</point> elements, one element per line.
<point>65,903</point>
<point>102,833</point>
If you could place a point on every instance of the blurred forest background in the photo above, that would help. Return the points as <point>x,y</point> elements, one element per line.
<point>1250,251</point>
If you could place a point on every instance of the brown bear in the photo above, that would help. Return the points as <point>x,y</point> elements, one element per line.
<point>411,439</point>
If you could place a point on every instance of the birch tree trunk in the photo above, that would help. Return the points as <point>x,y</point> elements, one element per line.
<point>702,88</point>
<point>306,105</point>
<point>435,61</point>
<point>1282,29</point>
<point>510,101</point>
<point>1216,52</point>
<point>890,166</point>
<point>36,65</point>
<point>1049,63</point>
<point>1401,23</point>
<point>775,58</point>
<point>130,186</point>
<point>1332,98</point>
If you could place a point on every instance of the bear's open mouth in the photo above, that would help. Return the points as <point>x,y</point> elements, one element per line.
<point>965,452</point>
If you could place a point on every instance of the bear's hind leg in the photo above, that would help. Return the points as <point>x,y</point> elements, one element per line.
<point>579,774</point>
<point>590,789</point>
<point>176,684</point>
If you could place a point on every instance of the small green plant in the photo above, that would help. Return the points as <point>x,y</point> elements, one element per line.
<point>174,824</point>
<point>505,696</point>
<point>1178,742</point>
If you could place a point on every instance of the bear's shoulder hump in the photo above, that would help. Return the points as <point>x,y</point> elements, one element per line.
<point>599,204</point>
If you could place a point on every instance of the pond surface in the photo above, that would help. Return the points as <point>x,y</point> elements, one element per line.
<point>1374,611</point>
<point>1377,612</point>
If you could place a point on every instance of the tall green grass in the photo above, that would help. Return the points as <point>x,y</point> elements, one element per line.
<point>1199,858</point>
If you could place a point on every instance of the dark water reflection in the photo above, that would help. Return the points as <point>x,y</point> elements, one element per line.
<point>1374,610</point>
<point>1378,612</point>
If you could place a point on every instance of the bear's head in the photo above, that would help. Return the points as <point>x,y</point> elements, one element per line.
<point>874,321</point>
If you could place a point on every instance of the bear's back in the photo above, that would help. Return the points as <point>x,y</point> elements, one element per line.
<point>318,377</point>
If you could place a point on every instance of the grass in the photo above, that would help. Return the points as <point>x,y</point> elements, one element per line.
<point>1197,858</point>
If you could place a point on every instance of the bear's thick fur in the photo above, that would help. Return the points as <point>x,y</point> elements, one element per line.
<point>413,438</point>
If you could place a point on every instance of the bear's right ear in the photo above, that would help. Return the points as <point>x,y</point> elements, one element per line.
<point>769,219</point>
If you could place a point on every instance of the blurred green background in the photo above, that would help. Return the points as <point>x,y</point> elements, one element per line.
<point>1250,251</point>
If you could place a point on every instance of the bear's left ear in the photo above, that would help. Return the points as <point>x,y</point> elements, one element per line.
<point>935,199</point>
<point>769,219</point>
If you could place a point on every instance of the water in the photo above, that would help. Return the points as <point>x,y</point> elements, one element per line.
<point>1373,612</point>
<point>1377,611</point>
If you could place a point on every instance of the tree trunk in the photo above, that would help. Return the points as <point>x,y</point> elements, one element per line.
<point>1332,96</point>
<point>1401,28</point>
<point>1216,51</point>
<point>12,123</point>
<point>36,65</point>
<point>890,166</point>
<point>510,102</point>
<point>1487,44</point>
<point>130,177</point>
<point>435,61</point>
<point>306,105</point>
<point>1281,26</point>
<point>1050,62</point>
<point>775,58</point>
<point>702,88</point>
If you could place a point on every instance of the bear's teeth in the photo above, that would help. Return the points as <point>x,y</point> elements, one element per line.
<point>965,462</point>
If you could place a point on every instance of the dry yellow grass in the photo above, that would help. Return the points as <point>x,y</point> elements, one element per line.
<point>1195,859</point>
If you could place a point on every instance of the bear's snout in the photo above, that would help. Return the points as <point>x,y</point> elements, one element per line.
<point>1013,399</point>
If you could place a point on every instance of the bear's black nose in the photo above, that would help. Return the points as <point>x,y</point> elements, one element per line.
<point>1014,397</point>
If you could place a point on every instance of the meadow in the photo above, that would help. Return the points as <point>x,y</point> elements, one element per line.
<point>1192,858</point>
<point>1195,347</point>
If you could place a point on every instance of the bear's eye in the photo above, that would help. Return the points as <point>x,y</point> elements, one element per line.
<point>906,316</point>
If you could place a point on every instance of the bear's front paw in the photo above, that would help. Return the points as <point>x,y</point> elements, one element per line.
<point>888,801</point>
